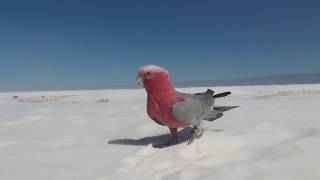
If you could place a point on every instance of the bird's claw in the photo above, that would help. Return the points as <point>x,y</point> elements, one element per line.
<point>196,133</point>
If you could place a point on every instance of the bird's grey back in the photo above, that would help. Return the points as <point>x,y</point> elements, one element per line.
<point>194,108</point>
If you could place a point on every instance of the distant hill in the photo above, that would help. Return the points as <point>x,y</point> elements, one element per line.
<point>268,80</point>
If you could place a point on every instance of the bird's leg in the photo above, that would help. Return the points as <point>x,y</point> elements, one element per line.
<point>196,133</point>
<point>174,134</point>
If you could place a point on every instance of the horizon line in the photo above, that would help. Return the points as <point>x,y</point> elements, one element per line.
<point>283,79</point>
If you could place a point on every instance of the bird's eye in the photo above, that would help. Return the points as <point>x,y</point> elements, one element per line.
<point>148,73</point>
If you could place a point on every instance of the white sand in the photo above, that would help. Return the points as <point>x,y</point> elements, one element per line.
<point>275,134</point>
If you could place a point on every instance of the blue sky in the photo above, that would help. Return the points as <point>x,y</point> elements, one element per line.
<point>87,44</point>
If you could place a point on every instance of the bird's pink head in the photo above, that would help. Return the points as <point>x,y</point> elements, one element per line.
<point>153,77</point>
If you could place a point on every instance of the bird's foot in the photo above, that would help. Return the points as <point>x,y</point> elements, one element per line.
<point>196,133</point>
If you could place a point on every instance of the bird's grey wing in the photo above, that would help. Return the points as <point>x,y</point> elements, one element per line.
<point>217,112</point>
<point>191,110</point>
<point>208,92</point>
<point>207,96</point>
<point>204,97</point>
<point>187,95</point>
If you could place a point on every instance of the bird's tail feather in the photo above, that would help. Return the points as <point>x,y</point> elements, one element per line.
<point>224,108</point>
<point>221,94</point>
<point>217,112</point>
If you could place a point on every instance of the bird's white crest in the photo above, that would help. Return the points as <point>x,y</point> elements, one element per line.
<point>152,68</point>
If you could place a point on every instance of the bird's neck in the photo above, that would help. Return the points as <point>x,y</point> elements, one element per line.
<point>161,88</point>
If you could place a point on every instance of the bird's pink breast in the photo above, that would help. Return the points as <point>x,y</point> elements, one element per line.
<point>159,108</point>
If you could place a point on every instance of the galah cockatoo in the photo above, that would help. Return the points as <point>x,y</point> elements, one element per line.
<point>174,109</point>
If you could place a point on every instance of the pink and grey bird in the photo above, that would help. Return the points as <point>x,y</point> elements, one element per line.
<point>174,109</point>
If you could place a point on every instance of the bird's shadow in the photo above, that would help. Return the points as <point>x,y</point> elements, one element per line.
<point>184,135</point>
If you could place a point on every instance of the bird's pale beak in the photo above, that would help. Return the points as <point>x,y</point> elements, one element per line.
<point>140,81</point>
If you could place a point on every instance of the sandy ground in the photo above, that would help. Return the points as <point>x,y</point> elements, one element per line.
<point>275,134</point>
